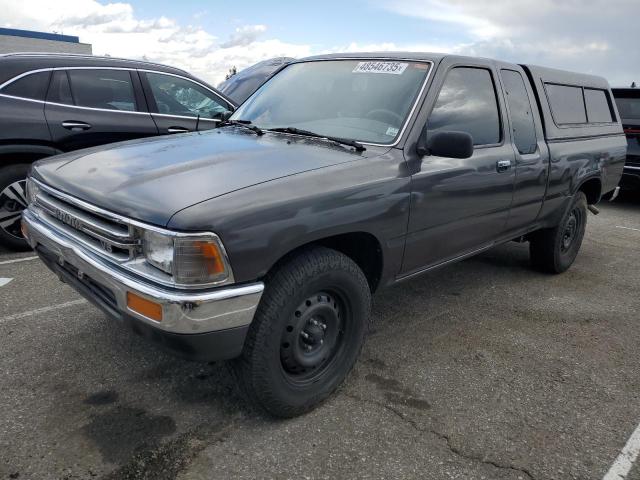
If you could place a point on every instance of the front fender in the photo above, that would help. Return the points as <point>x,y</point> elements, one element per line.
<point>261,224</point>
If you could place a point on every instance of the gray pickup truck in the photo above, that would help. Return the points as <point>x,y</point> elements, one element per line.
<point>263,240</point>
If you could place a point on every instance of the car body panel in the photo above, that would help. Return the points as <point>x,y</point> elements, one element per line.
<point>28,123</point>
<point>258,226</point>
<point>203,164</point>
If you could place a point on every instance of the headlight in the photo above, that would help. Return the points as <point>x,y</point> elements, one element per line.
<point>189,259</point>
<point>158,250</point>
<point>32,190</point>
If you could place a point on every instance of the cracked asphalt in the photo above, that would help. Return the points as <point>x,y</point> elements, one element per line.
<point>481,370</point>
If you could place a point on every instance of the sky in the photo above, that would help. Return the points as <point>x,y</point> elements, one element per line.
<point>209,37</point>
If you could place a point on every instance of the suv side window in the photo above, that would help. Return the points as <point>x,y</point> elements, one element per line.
<point>108,89</point>
<point>524,130</point>
<point>59,90</point>
<point>181,97</point>
<point>32,86</point>
<point>467,103</point>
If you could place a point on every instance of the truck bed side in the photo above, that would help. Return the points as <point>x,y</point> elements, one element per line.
<point>587,155</point>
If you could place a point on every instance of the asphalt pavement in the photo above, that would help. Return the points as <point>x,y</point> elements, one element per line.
<point>482,370</point>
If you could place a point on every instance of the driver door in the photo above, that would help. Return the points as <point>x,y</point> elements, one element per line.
<point>180,105</point>
<point>459,206</point>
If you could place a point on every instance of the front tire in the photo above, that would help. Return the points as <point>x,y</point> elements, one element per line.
<point>307,332</point>
<point>13,200</point>
<point>554,250</point>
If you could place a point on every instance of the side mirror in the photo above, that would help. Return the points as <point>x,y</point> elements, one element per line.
<point>446,144</point>
<point>226,115</point>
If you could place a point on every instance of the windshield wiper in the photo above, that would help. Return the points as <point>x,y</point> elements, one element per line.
<point>297,131</point>
<point>244,124</point>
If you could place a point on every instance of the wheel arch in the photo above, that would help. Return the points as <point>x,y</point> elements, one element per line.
<point>23,153</point>
<point>363,248</point>
<point>592,188</point>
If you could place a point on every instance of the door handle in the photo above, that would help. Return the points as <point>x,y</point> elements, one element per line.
<point>76,126</point>
<point>177,130</point>
<point>503,165</point>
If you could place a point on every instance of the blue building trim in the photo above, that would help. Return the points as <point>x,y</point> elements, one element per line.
<point>39,35</point>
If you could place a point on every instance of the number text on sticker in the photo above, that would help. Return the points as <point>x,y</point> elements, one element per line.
<point>393,68</point>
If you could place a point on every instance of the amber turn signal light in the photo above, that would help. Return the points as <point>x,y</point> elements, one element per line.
<point>144,307</point>
<point>211,256</point>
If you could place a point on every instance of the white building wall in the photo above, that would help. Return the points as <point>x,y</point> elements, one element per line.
<point>11,44</point>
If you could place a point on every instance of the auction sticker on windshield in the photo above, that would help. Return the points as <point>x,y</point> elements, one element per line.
<point>393,68</point>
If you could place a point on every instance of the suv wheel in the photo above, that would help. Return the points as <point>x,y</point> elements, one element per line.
<point>13,199</point>
<point>307,333</point>
<point>553,250</point>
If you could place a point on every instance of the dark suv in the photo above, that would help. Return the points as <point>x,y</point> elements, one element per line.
<point>52,103</point>
<point>628,101</point>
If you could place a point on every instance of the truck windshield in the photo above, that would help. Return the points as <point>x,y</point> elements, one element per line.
<point>366,101</point>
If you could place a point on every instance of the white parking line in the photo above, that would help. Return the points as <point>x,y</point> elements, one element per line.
<point>4,281</point>
<point>16,260</point>
<point>629,228</point>
<point>623,464</point>
<point>50,308</point>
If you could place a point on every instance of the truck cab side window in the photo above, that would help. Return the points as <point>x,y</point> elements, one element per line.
<point>524,130</point>
<point>467,103</point>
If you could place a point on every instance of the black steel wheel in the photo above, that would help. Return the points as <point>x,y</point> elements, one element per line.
<point>307,333</point>
<point>555,249</point>
<point>313,336</point>
<point>571,229</point>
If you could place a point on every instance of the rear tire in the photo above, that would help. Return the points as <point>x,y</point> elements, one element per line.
<point>553,250</point>
<point>307,332</point>
<point>12,201</point>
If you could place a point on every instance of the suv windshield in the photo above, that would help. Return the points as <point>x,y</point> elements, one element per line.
<point>367,101</point>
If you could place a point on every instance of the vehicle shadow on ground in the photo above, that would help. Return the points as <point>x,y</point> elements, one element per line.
<point>153,402</point>
<point>196,384</point>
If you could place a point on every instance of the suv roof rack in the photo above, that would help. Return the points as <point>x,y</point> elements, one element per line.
<point>84,55</point>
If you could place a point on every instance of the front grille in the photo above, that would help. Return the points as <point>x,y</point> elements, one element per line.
<point>105,235</point>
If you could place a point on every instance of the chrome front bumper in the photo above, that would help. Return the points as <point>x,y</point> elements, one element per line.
<point>184,312</point>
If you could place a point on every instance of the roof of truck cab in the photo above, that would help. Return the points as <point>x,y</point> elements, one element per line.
<point>417,56</point>
<point>549,74</point>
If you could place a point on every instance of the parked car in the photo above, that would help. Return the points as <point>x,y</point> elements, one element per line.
<point>55,103</point>
<point>263,240</point>
<point>241,85</point>
<point>628,102</point>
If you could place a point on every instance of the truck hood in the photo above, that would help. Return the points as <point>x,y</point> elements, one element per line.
<point>152,179</point>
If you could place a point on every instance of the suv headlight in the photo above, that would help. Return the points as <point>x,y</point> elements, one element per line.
<point>189,259</point>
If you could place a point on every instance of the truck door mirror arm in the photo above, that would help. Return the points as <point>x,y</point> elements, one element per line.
<point>445,144</point>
